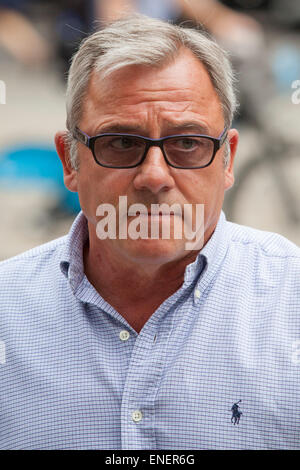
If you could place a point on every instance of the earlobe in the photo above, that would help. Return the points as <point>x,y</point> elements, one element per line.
<point>70,174</point>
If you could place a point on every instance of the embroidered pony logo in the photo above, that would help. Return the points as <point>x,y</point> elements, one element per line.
<point>236,413</point>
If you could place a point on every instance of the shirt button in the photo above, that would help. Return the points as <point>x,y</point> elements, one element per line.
<point>197,294</point>
<point>124,335</point>
<point>137,416</point>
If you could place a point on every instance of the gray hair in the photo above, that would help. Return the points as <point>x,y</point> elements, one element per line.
<point>140,40</point>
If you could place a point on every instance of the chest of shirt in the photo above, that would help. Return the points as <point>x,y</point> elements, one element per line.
<point>80,389</point>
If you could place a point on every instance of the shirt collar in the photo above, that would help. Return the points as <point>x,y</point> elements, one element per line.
<point>209,258</point>
<point>207,261</point>
<point>214,253</point>
<point>71,263</point>
<point>215,248</point>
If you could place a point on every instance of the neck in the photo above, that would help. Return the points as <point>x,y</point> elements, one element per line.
<point>134,289</point>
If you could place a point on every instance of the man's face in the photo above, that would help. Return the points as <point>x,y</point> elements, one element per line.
<point>176,99</point>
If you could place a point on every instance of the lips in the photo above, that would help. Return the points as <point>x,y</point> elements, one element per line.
<point>162,209</point>
<point>151,214</point>
<point>160,213</point>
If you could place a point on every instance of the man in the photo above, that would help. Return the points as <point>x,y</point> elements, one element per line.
<point>134,342</point>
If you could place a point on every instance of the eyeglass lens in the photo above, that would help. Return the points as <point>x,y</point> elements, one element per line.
<point>122,151</point>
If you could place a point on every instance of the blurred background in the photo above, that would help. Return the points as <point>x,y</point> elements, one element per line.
<point>37,40</point>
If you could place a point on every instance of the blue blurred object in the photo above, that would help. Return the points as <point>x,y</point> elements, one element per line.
<point>36,166</point>
<point>286,66</point>
<point>163,9</point>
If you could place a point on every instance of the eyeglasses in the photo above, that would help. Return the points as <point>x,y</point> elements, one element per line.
<point>184,151</point>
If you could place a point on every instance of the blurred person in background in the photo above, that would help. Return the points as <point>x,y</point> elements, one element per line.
<point>234,28</point>
<point>19,36</point>
<point>118,342</point>
<point>75,18</point>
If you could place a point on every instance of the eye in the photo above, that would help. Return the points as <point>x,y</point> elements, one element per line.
<point>185,143</point>
<point>123,143</point>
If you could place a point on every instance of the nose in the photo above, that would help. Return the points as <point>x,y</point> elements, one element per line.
<point>154,173</point>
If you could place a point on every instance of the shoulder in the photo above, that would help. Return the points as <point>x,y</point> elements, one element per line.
<point>33,288</point>
<point>32,263</point>
<point>260,272</point>
<point>267,244</point>
<point>262,260</point>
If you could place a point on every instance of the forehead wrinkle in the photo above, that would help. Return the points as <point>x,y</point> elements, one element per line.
<point>139,99</point>
<point>183,93</point>
<point>156,119</point>
<point>152,108</point>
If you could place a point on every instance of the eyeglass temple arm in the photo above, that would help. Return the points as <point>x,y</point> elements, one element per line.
<point>223,136</point>
<point>81,136</point>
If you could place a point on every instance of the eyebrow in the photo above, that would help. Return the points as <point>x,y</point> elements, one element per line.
<point>191,125</point>
<point>120,129</point>
<point>175,128</point>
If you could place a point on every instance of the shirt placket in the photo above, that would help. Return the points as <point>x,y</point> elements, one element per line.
<point>145,371</point>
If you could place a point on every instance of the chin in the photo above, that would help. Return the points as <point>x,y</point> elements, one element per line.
<point>155,251</point>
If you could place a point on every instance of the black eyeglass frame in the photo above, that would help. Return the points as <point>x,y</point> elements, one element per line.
<point>89,142</point>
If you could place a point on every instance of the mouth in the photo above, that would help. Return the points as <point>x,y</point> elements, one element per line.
<point>156,211</point>
<point>153,214</point>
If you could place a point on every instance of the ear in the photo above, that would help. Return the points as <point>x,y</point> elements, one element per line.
<point>70,174</point>
<point>233,138</point>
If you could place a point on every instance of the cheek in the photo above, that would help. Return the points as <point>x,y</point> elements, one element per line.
<point>208,189</point>
<point>88,191</point>
<point>203,187</point>
<point>87,204</point>
<point>98,185</point>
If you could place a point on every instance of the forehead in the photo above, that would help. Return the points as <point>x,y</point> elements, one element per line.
<point>181,90</point>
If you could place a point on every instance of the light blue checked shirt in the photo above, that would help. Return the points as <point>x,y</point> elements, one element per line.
<point>75,375</point>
